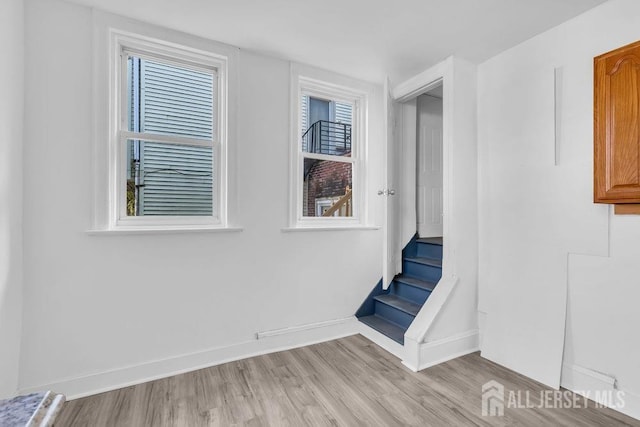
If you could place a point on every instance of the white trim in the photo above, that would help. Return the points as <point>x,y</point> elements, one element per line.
<point>99,382</point>
<point>329,157</point>
<point>109,30</point>
<point>431,309</point>
<point>442,350</point>
<point>440,74</point>
<point>167,139</point>
<point>574,377</point>
<point>327,85</point>
<point>162,221</point>
<point>423,82</point>
<point>163,230</point>
<point>121,42</point>
<point>591,384</point>
<point>420,355</point>
<point>315,88</point>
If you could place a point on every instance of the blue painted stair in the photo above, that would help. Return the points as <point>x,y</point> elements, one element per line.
<point>391,311</point>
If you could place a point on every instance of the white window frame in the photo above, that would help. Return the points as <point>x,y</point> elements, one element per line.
<point>327,88</point>
<point>122,45</point>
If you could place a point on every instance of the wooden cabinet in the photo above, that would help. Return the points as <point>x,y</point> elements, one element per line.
<point>617,127</point>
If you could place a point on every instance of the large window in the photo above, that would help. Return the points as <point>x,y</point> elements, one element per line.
<point>329,147</point>
<point>169,145</point>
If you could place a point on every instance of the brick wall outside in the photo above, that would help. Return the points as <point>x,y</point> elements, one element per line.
<point>326,179</point>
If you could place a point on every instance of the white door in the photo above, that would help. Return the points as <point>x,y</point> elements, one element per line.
<point>429,185</point>
<point>392,253</point>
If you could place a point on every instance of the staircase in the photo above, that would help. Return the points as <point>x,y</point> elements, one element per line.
<point>391,311</point>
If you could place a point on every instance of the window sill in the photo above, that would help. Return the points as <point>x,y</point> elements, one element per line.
<point>331,228</point>
<point>162,230</point>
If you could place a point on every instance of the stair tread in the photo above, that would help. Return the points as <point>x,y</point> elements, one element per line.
<point>431,240</point>
<point>426,261</point>
<point>385,327</point>
<point>401,304</point>
<point>422,284</point>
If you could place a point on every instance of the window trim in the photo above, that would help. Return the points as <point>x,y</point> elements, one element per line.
<point>119,42</point>
<point>314,84</point>
<point>100,155</point>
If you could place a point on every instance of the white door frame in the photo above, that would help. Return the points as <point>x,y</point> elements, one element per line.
<point>427,341</point>
<point>440,74</point>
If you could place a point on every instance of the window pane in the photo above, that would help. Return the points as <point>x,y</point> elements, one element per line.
<point>170,100</point>
<point>327,188</point>
<point>326,126</point>
<point>169,179</point>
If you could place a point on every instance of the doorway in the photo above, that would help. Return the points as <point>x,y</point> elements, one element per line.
<point>319,109</point>
<point>429,163</point>
<point>418,120</point>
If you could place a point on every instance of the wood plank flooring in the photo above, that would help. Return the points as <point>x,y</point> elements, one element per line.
<point>346,382</point>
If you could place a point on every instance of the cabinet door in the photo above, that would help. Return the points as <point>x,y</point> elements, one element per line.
<point>617,126</point>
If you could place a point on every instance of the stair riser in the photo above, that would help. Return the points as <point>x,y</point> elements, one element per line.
<point>417,295</point>
<point>427,250</point>
<point>421,271</point>
<point>394,332</point>
<point>393,314</point>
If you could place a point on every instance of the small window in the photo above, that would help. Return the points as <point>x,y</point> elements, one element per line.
<point>169,142</point>
<point>329,151</point>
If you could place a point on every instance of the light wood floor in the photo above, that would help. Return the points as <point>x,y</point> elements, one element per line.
<point>346,382</point>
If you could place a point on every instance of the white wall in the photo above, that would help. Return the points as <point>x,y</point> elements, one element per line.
<point>539,229</point>
<point>95,304</point>
<point>11,127</point>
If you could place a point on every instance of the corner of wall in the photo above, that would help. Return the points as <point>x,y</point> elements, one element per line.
<point>11,137</point>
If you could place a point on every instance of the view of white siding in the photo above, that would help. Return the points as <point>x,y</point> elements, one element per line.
<point>176,179</point>
<point>304,113</point>
<point>344,113</point>
<point>176,101</point>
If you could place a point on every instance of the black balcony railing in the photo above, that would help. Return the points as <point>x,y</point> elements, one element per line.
<point>325,137</point>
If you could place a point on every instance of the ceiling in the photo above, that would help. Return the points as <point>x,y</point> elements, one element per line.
<point>368,39</point>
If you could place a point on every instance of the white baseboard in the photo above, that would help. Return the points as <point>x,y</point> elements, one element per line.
<point>595,385</point>
<point>269,342</point>
<point>440,351</point>
<point>576,377</point>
